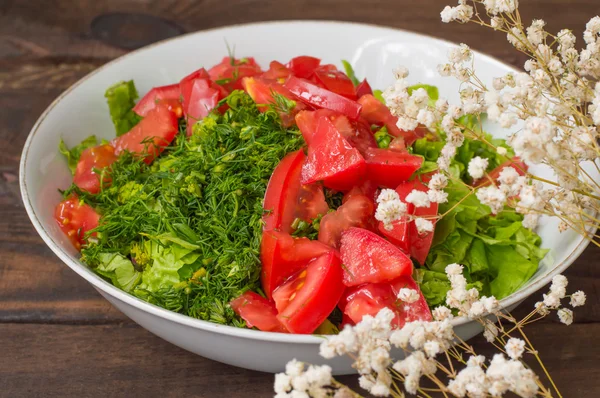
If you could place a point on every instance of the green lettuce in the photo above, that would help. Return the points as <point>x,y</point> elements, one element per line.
<point>168,257</point>
<point>74,153</point>
<point>119,270</point>
<point>121,99</point>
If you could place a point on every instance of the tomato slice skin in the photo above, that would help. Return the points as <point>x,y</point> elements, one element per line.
<point>375,112</point>
<point>321,98</point>
<point>286,198</point>
<point>277,71</point>
<point>336,81</point>
<point>258,312</point>
<point>75,219</point>
<point>389,168</point>
<point>368,258</point>
<point>363,88</point>
<point>307,298</point>
<point>332,159</point>
<point>303,66</point>
<point>419,244</point>
<point>232,71</point>
<point>399,235</point>
<point>92,159</point>
<point>370,298</point>
<point>357,211</point>
<point>156,95</point>
<point>282,256</point>
<point>356,132</point>
<point>160,126</point>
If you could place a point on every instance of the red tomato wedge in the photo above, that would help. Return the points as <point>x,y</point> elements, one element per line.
<point>363,88</point>
<point>150,136</point>
<point>258,312</point>
<point>75,219</point>
<point>308,297</point>
<point>230,72</point>
<point>90,165</point>
<point>357,211</point>
<point>356,132</point>
<point>419,244</point>
<point>170,93</point>
<point>286,198</point>
<point>199,98</point>
<point>398,235</point>
<point>368,258</point>
<point>375,112</point>
<point>277,71</point>
<point>332,159</point>
<point>303,66</point>
<point>322,98</point>
<point>335,81</point>
<point>282,256</point>
<point>389,168</point>
<point>366,188</point>
<point>370,298</point>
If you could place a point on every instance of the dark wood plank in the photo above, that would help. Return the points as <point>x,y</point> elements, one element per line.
<point>124,360</point>
<point>55,327</point>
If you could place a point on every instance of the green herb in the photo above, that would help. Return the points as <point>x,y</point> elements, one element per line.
<point>121,99</point>
<point>191,222</point>
<point>74,153</point>
<point>383,138</point>
<point>350,72</point>
<point>333,198</point>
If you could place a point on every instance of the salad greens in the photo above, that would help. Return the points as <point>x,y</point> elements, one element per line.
<point>184,233</point>
<point>191,222</point>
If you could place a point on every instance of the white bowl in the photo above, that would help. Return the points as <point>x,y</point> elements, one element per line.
<point>81,111</point>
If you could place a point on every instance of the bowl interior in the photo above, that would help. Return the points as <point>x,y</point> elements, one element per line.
<point>373,51</point>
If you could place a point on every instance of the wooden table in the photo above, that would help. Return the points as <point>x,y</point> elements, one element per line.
<point>58,337</point>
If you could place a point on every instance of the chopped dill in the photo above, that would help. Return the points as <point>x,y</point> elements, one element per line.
<point>193,217</point>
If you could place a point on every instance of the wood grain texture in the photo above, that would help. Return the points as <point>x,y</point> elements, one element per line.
<point>54,327</point>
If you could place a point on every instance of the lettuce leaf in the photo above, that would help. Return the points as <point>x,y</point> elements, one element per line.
<point>121,99</point>
<point>119,270</point>
<point>167,259</point>
<point>350,72</point>
<point>74,153</point>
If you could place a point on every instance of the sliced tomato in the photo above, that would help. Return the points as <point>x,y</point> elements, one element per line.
<point>170,93</point>
<point>375,112</point>
<point>75,219</point>
<point>368,258</point>
<point>419,244</point>
<point>308,297</point>
<point>202,99</point>
<point>335,81</point>
<point>286,198</point>
<point>370,298</point>
<point>357,211</point>
<point>356,132</point>
<point>410,312</point>
<point>516,163</point>
<point>389,168</point>
<point>366,188</point>
<point>332,159</point>
<point>89,168</point>
<point>398,234</point>
<point>277,71</point>
<point>282,256</point>
<point>258,312</point>
<point>150,136</point>
<point>363,88</point>
<point>230,72</point>
<point>303,66</point>
<point>321,98</point>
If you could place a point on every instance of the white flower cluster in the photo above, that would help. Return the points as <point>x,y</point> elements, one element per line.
<point>461,13</point>
<point>467,302</point>
<point>369,342</point>
<point>301,382</point>
<point>389,207</point>
<point>552,300</point>
<point>501,376</point>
